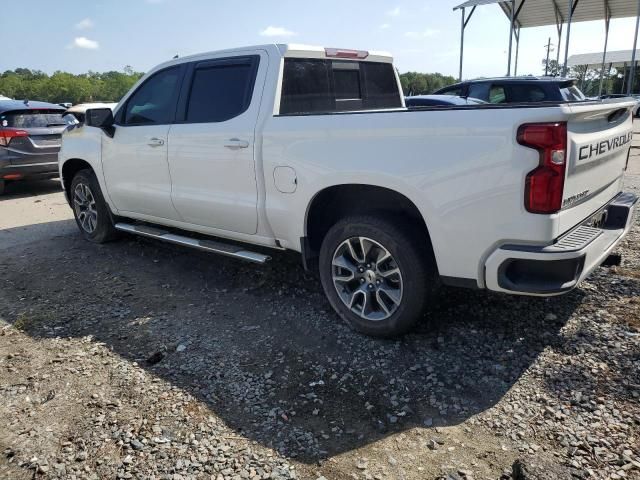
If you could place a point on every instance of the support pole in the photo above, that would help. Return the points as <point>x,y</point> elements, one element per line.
<point>624,76</point>
<point>513,12</point>
<point>559,23</point>
<point>632,74</point>
<point>607,18</point>
<point>546,63</point>
<point>566,47</point>
<point>515,67</point>
<point>558,50</point>
<point>461,44</point>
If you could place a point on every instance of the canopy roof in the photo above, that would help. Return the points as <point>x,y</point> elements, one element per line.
<point>537,13</point>
<point>617,58</point>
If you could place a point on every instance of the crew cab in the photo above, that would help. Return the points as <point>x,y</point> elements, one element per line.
<point>312,149</point>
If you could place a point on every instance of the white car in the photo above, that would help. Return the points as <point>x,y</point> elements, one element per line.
<point>79,110</point>
<point>312,149</point>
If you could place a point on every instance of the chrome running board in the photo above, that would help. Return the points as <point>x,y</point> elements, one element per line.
<point>205,245</point>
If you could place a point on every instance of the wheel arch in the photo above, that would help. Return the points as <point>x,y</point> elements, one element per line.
<point>334,202</point>
<point>69,169</point>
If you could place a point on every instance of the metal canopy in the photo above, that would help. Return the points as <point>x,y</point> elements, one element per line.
<point>538,13</point>
<point>617,58</point>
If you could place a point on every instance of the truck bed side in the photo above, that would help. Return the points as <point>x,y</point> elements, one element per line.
<point>462,168</point>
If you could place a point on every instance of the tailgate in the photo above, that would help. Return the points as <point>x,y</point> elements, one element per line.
<point>599,139</point>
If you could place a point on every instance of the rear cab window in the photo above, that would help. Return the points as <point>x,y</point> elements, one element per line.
<point>326,86</point>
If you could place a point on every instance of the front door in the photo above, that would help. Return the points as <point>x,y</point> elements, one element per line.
<point>211,149</point>
<point>135,160</point>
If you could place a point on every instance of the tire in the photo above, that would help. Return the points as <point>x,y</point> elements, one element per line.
<point>383,303</point>
<point>2,185</point>
<point>90,210</point>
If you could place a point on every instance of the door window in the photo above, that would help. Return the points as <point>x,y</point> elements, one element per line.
<point>154,102</point>
<point>221,90</point>
<point>479,91</point>
<point>457,91</point>
<point>527,93</point>
<point>497,94</point>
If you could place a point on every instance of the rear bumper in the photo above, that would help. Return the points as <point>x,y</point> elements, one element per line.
<point>35,169</point>
<point>560,267</point>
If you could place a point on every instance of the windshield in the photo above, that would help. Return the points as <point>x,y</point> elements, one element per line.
<point>33,119</point>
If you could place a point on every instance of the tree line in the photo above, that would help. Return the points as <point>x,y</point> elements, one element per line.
<point>415,83</point>
<point>25,84</point>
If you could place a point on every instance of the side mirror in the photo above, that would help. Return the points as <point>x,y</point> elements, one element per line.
<point>99,117</point>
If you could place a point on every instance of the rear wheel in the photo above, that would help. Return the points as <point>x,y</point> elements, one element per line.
<point>90,209</point>
<point>377,275</point>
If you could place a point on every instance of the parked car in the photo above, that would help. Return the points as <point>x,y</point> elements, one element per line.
<point>636,97</point>
<point>439,101</point>
<point>30,136</point>
<point>78,111</point>
<point>312,149</point>
<point>517,90</point>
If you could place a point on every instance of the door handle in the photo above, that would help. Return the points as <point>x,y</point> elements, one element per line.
<point>155,142</point>
<point>236,144</point>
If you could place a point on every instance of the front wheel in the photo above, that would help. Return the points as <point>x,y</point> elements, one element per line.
<point>378,275</point>
<point>90,209</point>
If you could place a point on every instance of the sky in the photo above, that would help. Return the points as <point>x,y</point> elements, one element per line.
<point>100,35</point>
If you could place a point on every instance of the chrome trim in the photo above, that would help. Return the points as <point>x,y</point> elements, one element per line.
<point>30,165</point>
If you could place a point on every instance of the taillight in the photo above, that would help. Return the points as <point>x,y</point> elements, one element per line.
<point>545,184</point>
<point>6,134</point>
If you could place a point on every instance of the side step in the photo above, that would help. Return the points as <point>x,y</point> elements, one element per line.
<point>205,245</point>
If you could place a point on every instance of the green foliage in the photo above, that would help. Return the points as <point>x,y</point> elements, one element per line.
<point>553,69</point>
<point>414,83</point>
<point>23,83</point>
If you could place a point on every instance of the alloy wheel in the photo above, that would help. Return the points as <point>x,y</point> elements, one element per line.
<point>84,205</point>
<point>367,278</point>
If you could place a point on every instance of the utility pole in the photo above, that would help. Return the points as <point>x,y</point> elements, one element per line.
<point>546,64</point>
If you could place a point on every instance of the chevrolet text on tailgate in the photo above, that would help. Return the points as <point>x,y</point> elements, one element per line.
<point>312,149</point>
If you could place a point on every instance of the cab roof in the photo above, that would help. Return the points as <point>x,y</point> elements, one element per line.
<point>290,50</point>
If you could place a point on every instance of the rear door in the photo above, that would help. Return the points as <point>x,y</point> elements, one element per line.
<point>135,159</point>
<point>212,144</point>
<point>42,141</point>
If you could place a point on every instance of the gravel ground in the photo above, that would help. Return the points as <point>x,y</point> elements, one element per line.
<point>142,360</point>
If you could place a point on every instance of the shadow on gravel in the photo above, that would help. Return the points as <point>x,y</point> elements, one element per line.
<point>22,235</point>
<point>30,188</point>
<point>261,347</point>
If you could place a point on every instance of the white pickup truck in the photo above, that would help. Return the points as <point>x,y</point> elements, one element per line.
<point>312,149</point>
